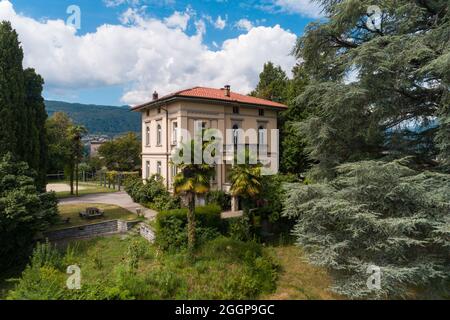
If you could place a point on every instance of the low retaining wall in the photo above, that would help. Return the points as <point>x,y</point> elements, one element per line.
<point>147,233</point>
<point>91,230</point>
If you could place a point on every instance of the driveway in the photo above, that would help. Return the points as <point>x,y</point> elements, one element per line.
<point>121,199</point>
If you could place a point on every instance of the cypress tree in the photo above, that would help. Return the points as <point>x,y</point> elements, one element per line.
<point>12,93</point>
<point>37,116</point>
<point>22,109</point>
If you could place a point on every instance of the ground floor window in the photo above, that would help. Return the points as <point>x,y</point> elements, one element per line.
<point>147,169</point>
<point>158,168</point>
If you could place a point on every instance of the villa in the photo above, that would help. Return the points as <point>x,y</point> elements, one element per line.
<point>205,108</point>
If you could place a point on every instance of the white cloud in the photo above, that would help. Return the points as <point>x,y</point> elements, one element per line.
<point>307,8</point>
<point>244,24</point>
<point>178,20</point>
<point>145,55</point>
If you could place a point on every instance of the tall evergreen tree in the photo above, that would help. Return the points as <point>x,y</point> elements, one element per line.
<point>36,140</point>
<point>12,92</point>
<point>273,84</point>
<point>375,83</point>
<point>22,109</point>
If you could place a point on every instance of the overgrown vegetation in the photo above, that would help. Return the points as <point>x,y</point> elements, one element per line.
<point>115,269</point>
<point>171,227</point>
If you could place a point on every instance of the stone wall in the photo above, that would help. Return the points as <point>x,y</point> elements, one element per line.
<point>146,232</point>
<point>91,230</point>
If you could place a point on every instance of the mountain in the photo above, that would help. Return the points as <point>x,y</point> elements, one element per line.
<point>100,120</point>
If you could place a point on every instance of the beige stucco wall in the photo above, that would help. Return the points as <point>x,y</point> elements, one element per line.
<point>185,114</point>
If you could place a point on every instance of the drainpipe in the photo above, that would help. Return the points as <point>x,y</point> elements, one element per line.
<point>167,146</point>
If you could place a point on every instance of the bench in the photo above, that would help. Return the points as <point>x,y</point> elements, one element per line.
<point>92,213</point>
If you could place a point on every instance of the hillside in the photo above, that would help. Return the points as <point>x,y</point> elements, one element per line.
<point>107,120</point>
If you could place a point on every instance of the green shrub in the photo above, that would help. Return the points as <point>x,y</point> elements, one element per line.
<point>171,232</point>
<point>152,193</point>
<point>220,198</point>
<point>239,228</point>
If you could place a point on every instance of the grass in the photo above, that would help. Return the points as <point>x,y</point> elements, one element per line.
<point>89,188</point>
<point>72,211</point>
<point>221,269</point>
<point>298,280</point>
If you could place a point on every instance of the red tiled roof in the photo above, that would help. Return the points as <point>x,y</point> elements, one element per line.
<point>216,94</point>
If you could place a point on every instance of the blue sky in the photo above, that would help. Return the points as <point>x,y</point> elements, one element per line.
<point>125,49</point>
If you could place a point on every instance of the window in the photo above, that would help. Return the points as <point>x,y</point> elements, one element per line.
<point>235,134</point>
<point>158,135</point>
<point>158,168</point>
<point>159,110</point>
<point>148,113</point>
<point>261,135</point>
<point>236,110</point>
<point>261,112</point>
<point>147,169</point>
<point>174,171</point>
<point>174,133</point>
<point>147,136</point>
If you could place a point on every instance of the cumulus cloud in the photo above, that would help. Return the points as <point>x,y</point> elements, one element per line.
<point>145,54</point>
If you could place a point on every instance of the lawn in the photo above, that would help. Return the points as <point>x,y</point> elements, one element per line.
<point>62,189</point>
<point>299,280</point>
<point>72,211</point>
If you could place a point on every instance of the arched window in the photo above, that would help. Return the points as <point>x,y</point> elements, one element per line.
<point>147,136</point>
<point>158,134</point>
<point>235,134</point>
<point>261,135</point>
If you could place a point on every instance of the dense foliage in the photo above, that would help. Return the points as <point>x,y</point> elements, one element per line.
<point>22,110</point>
<point>381,214</point>
<point>220,198</point>
<point>376,90</point>
<point>108,120</point>
<point>115,269</point>
<point>171,227</point>
<point>122,153</point>
<point>151,193</point>
<point>24,211</point>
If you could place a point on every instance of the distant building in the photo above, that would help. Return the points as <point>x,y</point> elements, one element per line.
<point>94,146</point>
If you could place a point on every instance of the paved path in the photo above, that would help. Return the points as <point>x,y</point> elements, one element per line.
<point>62,187</point>
<point>121,199</point>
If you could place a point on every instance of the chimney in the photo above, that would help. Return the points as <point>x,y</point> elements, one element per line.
<point>155,95</point>
<point>227,90</point>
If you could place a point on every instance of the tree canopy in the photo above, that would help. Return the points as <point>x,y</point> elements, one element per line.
<point>372,88</point>
<point>123,153</point>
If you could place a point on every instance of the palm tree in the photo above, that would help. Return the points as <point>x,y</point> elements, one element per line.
<point>193,180</point>
<point>245,181</point>
<point>246,178</point>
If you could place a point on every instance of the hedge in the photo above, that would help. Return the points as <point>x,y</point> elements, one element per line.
<point>171,226</point>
